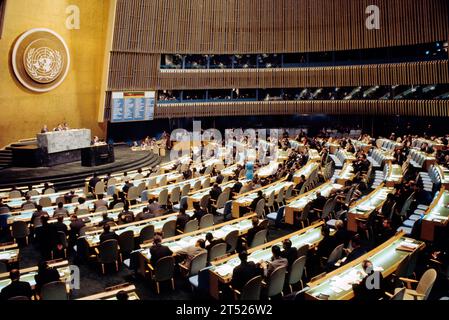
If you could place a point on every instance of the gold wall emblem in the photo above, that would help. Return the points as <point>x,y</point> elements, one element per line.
<point>41,60</point>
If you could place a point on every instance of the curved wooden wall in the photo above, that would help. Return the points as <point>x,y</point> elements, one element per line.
<point>369,107</point>
<point>146,29</point>
<point>140,72</point>
<point>263,26</point>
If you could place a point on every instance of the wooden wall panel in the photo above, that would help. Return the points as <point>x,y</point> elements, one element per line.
<point>133,71</point>
<point>263,26</point>
<point>140,72</point>
<point>435,108</point>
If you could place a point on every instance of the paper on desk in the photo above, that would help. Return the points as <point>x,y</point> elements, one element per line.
<point>224,270</point>
<point>5,256</point>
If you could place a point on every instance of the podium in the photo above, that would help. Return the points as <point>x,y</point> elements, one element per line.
<point>58,147</point>
<point>97,155</point>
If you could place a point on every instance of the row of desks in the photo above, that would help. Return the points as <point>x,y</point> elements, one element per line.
<point>245,199</point>
<point>28,274</point>
<point>366,205</point>
<point>337,285</point>
<point>181,242</point>
<point>437,215</point>
<point>221,271</point>
<point>25,215</point>
<point>112,294</point>
<point>298,203</point>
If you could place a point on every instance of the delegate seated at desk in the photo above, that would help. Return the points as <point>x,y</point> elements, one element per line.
<point>158,250</point>
<point>276,261</point>
<point>16,288</point>
<point>371,287</point>
<point>244,272</point>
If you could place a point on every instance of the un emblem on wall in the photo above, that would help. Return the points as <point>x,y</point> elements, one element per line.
<point>41,60</point>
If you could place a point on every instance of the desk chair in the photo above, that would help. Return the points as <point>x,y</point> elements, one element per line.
<point>296,272</point>
<point>55,290</point>
<point>276,282</point>
<point>107,253</point>
<point>207,221</point>
<point>217,251</point>
<point>126,242</point>
<point>250,291</point>
<point>147,233</point>
<point>423,288</point>
<point>163,271</point>
<point>259,238</point>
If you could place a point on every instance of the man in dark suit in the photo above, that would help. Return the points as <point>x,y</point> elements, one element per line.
<point>60,225</point>
<point>114,201</point>
<point>45,274</point>
<point>290,253</point>
<point>219,179</point>
<point>318,204</point>
<point>371,287</point>
<point>236,187</point>
<point>244,272</point>
<point>182,219</point>
<point>259,197</point>
<point>158,250</point>
<point>108,234</point>
<point>215,192</point>
<point>127,186</point>
<point>16,288</point>
<point>198,212</point>
<point>290,175</point>
<point>105,219</point>
<point>210,241</point>
<point>357,249</point>
<point>252,232</point>
<point>48,237</point>
<point>75,227</point>
<point>326,245</point>
<point>342,235</point>
<point>93,181</point>
<point>302,180</point>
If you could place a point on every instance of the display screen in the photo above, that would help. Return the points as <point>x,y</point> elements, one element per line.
<point>132,106</point>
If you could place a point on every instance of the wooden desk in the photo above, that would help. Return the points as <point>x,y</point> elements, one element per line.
<point>111,294</point>
<point>16,203</point>
<point>154,193</point>
<point>245,199</point>
<point>9,253</point>
<point>221,271</point>
<point>437,215</point>
<point>306,171</point>
<point>394,174</point>
<point>298,203</point>
<point>346,173</point>
<point>365,206</point>
<point>337,284</point>
<point>197,195</point>
<point>93,237</point>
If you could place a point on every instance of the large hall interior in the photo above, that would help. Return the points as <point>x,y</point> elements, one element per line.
<point>224,150</point>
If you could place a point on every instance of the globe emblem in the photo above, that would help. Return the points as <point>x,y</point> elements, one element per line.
<point>42,63</point>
